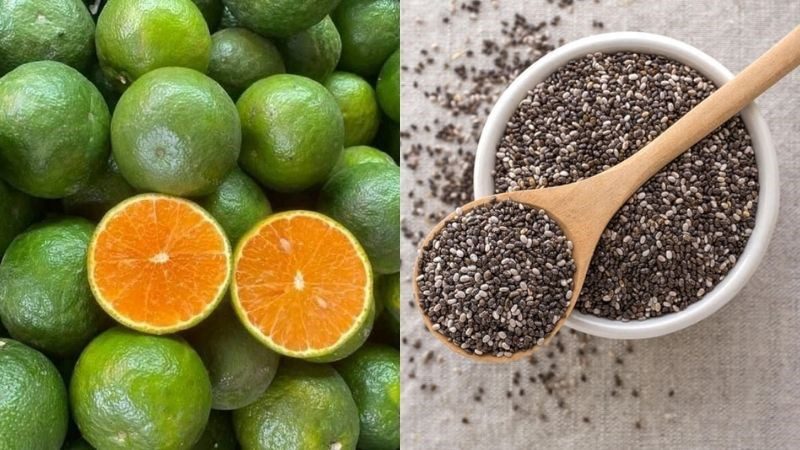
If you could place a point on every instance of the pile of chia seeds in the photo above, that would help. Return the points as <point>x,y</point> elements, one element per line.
<point>496,279</point>
<point>681,233</point>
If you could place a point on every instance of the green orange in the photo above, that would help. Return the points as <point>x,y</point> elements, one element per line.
<point>370,31</point>
<point>307,407</point>
<point>373,376</point>
<point>313,53</point>
<point>137,391</point>
<point>35,30</point>
<point>176,131</point>
<point>240,57</point>
<point>361,154</point>
<point>239,366</point>
<point>358,104</point>
<point>55,137</point>
<point>135,37</point>
<point>366,199</point>
<point>45,300</point>
<point>238,204</point>
<point>279,18</point>
<point>388,87</point>
<point>292,132</point>
<point>33,399</point>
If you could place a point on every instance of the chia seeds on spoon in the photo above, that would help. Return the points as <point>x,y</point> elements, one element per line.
<point>496,279</point>
<point>680,233</point>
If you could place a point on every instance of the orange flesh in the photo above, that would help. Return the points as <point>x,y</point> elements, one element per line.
<point>301,283</point>
<point>159,262</point>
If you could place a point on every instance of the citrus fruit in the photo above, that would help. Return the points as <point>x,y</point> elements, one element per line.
<point>33,399</point>
<point>137,36</point>
<point>138,391</point>
<point>292,132</point>
<point>279,18</point>
<point>212,11</point>
<point>358,104</point>
<point>388,87</point>
<point>240,57</point>
<point>302,285</point>
<point>313,53</point>
<point>238,204</point>
<point>219,434</point>
<point>19,211</point>
<point>370,31</point>
<point>360,154</point>
<point>373,376</point>
<point>55,137</point>
<point>388,294</point>
<point>35,30</point>
<point>45,299</point>
<point>159,264</point>
<point>105,191</point>
<point>307,407</point>
<point>366,199</point>
<point>175,131</point>
<point>388,138</point>
<point>239,366</point>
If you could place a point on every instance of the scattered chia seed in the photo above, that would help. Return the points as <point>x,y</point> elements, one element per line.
<point>678,235</point>
<point>496,279</point>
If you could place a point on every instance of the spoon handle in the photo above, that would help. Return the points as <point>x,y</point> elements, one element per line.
<point>712,112</point>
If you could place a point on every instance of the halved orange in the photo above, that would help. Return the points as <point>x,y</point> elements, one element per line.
<point>159,264</point>
<point>302,285</point>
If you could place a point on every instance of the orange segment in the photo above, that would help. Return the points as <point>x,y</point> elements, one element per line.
<point>302,284</point>
<point>159,264</point>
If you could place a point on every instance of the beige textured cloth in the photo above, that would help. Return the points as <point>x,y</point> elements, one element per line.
<point>736,375</point>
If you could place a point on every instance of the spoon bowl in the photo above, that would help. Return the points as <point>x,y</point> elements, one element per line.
<point>584,208</point>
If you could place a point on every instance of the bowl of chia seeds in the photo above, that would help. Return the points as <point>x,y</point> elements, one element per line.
<point>689,240</point>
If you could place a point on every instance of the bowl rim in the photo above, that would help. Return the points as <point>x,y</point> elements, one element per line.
<point>766,161</point>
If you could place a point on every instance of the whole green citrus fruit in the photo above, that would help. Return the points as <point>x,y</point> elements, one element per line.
<point>279,18</point>
<point>240,57</point>
<point>292,132</point>
<point>388,87</point>
<point>176,131</point>
<point>240,367</point>
<point>105,191</point>
<point>238,204</point>
<point>45,300</point>
<point>358,104</point>
<point>373,375</point>
<point>33,399</point>
<point>35,30</point>
<point>370,31</point>
<point>19,211</point>
<point>55,138</point>
<point>366,199</point>
<point>313,53</point>
<point>138,391</point>
<point>307,407</point>
<point>137,36</point>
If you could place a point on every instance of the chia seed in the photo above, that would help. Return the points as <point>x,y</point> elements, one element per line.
<point>488,291</point>
<point>678,236</point>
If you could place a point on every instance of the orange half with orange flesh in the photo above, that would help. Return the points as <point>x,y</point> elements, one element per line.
<point>159,264</point>
<point>302,285</point>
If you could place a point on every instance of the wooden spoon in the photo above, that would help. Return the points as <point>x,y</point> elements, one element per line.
<point>584,208</point>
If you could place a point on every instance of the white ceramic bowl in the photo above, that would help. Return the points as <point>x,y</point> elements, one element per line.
<point>767,212</point>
